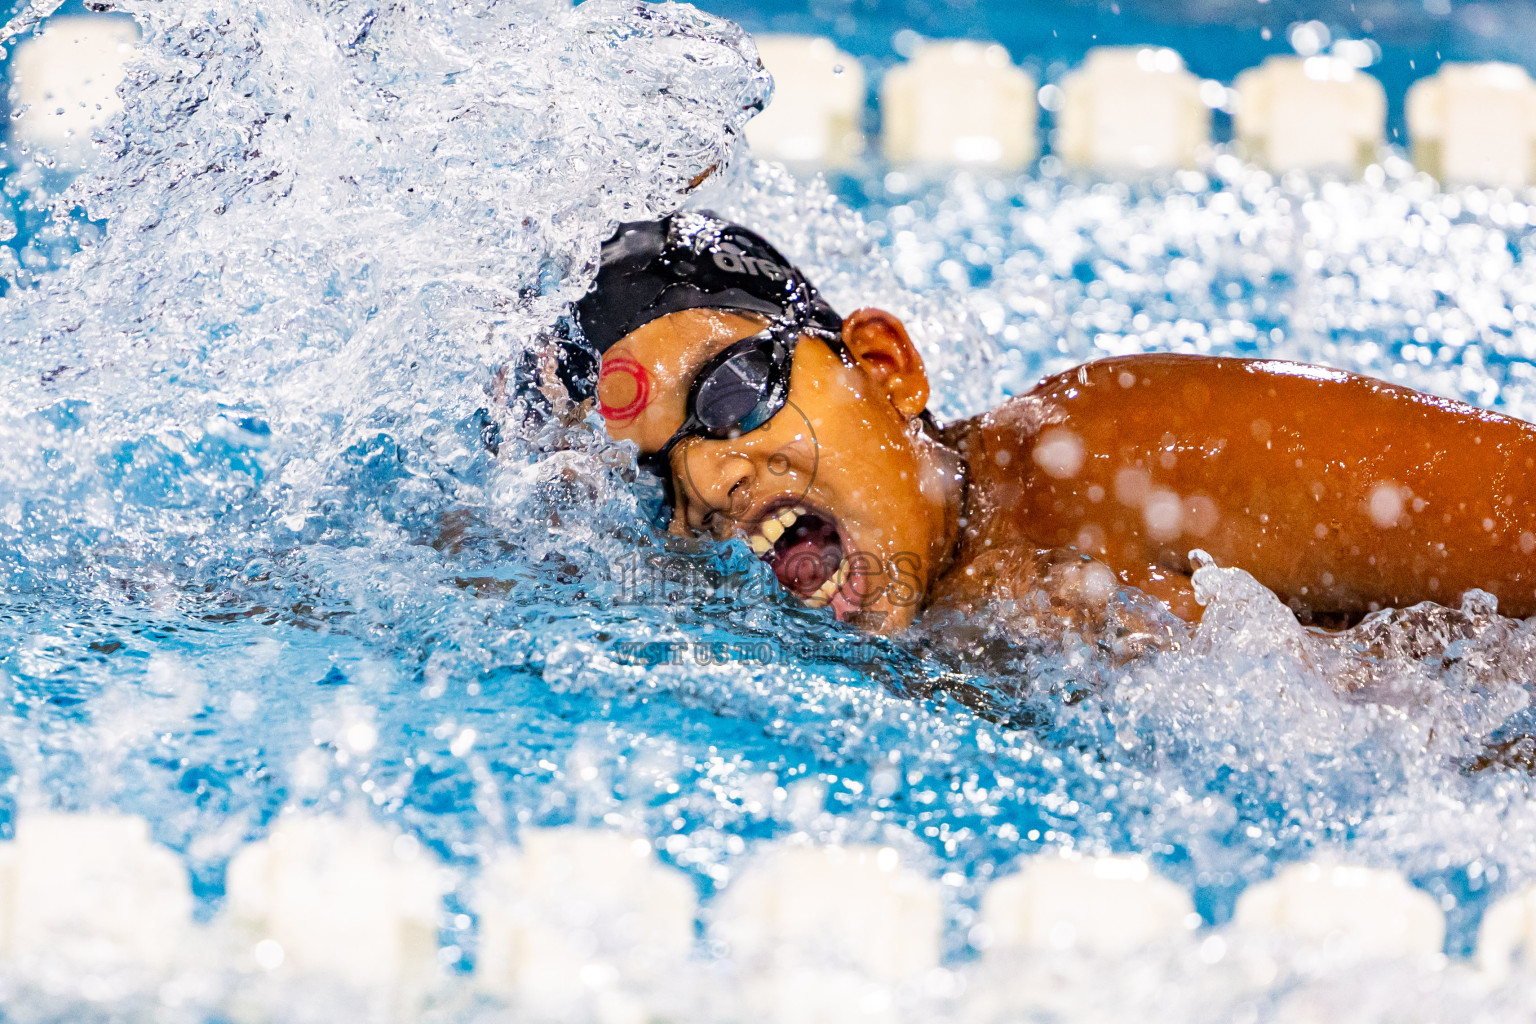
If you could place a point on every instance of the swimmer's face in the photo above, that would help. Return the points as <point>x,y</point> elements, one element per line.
<point>833,491</point>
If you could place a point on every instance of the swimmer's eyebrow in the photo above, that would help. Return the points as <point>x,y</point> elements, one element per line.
<point>693,366</point>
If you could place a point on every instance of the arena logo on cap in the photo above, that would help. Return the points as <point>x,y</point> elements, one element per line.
<point>731,259</point>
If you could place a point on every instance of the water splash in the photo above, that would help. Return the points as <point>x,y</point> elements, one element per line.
<point>256,554</point>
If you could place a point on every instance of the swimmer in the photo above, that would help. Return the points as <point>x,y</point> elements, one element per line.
<point>772,419</point>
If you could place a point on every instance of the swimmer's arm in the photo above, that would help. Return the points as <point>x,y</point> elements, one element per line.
<point>1057,593</point>
<point>1126,616</point>
<point>1175,589</point>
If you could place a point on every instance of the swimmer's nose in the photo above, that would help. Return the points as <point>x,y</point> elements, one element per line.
<point>714,484</point>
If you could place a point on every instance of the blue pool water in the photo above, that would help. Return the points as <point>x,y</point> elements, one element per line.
<point>254,554</point>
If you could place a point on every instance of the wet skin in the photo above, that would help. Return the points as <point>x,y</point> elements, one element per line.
<point>847,445</point>
<point>1340,493</point>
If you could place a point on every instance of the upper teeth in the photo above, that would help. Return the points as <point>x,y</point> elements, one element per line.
<point>772,528</point>
<point>768,533</point>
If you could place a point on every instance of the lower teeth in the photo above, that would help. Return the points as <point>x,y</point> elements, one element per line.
<point>824,594</point>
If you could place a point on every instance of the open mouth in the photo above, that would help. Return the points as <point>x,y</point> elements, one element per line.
<point>805,550</point>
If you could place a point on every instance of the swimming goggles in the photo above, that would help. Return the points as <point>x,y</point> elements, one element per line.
<point>741,388</point>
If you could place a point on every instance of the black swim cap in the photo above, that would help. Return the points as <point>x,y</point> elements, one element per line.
<point>695,260</point>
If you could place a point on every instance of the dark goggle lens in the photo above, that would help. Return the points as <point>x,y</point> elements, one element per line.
<point>731,399</point>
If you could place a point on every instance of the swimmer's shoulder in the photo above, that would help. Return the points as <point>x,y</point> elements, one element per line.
<point>1056,399</point>
<point>1129,399</point>
<point>1197,388</point>
<point>1166,383</point>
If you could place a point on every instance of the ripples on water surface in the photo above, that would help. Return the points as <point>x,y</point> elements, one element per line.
<point>255,555</point>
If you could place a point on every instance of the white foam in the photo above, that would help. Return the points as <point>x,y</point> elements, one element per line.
<point>1475,124</point>
<point>829,933</point>
<point>64,82</point>
<point>1363,911</point>
<point>1105,904</point>
<point>816,114</point>
<point>959,102</point>
<point>494,152</point>
<point>798,908</point>
<point>1132,108</point>
<point>1506,938</point>
<point>339,897</point>
<point>1314,113</point>
<point>406,226</point>
<point>575,915</point>
<point>93,891</point>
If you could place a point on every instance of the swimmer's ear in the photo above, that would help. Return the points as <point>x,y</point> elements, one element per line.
<point>879,343</point>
